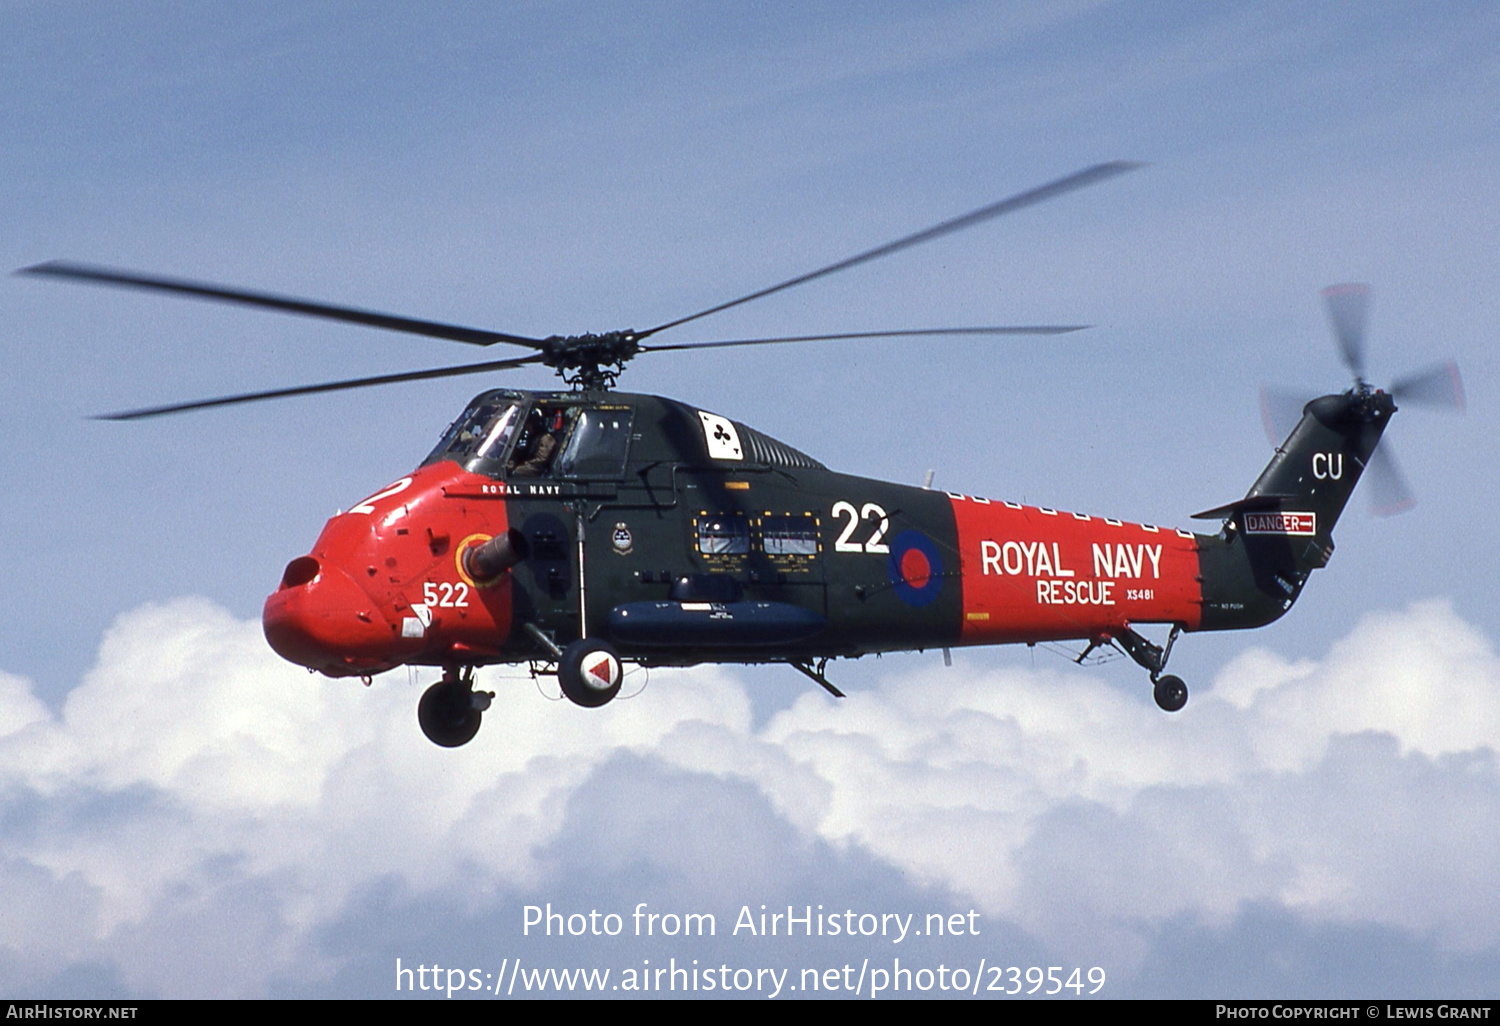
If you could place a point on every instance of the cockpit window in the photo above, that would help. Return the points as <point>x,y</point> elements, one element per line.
<point>598,444</point>
<point>492,438</point>
<point>506,435</point>
<point>482,432</point>
<point>536,445</point>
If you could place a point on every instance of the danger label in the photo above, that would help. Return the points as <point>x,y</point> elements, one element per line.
<point>1281,523</point>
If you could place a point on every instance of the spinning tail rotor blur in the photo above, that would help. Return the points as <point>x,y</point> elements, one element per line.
<point>1436,387</point>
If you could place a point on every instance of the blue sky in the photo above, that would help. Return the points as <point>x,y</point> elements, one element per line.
<point>187,815</point>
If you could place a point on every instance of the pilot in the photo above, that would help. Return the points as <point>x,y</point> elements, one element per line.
<point>534,451</point>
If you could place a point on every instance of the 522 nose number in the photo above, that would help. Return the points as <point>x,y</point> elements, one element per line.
<point>443,595</point>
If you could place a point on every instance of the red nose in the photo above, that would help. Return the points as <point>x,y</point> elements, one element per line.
<point>322,619</point>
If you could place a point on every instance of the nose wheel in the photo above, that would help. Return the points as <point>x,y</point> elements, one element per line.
<point>450,711</point>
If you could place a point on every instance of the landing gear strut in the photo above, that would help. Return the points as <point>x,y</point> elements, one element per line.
<point>451,710</point>
<point>1170,692</point>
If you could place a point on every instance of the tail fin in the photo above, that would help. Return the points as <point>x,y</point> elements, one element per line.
<point>1282,529</point>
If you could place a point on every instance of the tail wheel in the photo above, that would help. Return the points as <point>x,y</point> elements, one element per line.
<point>1170,693</point>
<point>449,714</point>
<point>590,673</point>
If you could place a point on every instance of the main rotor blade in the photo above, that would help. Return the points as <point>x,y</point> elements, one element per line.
<point>331,386</point>
<point>1348,308</point>
<point>1436,386</point>
<point>286,304</point>
<point>1040,329</point>
<point>1077,180</point>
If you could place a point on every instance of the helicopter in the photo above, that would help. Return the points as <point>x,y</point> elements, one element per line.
<point>581,530</point>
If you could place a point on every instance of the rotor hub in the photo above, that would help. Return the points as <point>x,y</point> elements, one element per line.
<point>590,361</point>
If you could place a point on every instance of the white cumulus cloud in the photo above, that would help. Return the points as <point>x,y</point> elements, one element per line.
<point>201,817</point>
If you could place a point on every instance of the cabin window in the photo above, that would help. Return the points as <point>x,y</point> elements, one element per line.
<point>789,535</point>
<point>723,535</point>
<point>599,444</point>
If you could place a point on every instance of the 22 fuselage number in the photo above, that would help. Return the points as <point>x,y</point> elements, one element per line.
<point>871,513</point>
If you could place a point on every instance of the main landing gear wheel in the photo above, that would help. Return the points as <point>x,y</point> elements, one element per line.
<point>590,673</point>
<point>1170,693</point>
<point>451,710</point>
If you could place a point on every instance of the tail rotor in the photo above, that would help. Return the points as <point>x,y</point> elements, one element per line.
<point>1437,387</point>
<point>1349,311</point>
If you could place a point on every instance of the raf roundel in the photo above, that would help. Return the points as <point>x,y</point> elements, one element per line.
<point>915,568</point>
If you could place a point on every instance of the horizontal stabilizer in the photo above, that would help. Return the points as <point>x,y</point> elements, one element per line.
<point>1249,502</point>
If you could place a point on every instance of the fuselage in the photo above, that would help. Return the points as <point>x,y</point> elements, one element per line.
<point>683,537</point>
